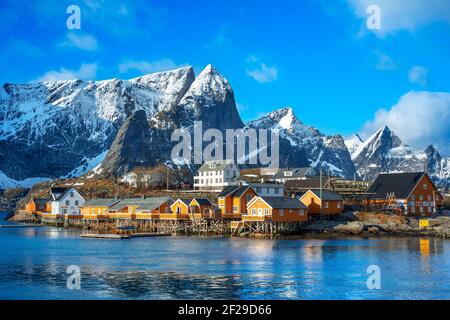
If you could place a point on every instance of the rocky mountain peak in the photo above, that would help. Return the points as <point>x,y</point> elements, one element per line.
<point>131,147</point>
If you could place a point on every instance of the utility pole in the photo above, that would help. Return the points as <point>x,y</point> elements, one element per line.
<point>321,198</point>
<point>167,179</point>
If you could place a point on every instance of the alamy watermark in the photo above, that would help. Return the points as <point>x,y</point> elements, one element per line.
<point>373,21</point>
<point>74,280</point>
<point>374,280</point>
<point>249,146</point>
<point>74,20</point>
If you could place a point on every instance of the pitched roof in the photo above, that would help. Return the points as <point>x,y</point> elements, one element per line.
<point>218,165</point>
<point>203,201</point>
<point>296,172</point>
<point>401,184</point>
<point>101,202</point>
<point>327,195</point>
<point>142,203</point>
<point>284,203</point>
<point>41,200</point>
<point>57,192</point>
<point>228,190</point>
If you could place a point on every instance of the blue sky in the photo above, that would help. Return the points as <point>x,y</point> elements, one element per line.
<point>316,56</point>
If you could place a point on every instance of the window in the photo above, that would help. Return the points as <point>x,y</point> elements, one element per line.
<point>67,202</point>
<point>260,211</point>
<point>276,190</point>
<point>421,209</point>
<point>288,173</point>
<point>413,209</point>
<point>258,190</point>
<point>235,208</point>
<point>71,194</point>
<point>178,210</point>
<point>254,211</point>
<point>77,202</point>
<point>425,186</point>
<point>281,212</point>
<point>413,198</point>
<point>429,197</point>
<point>248,197</point>
<point>338,205</point>
<point>421,197</point>
<point>325,204</point>
<point>266,211</point>
<point>301,212</point>
<point>429,209</point>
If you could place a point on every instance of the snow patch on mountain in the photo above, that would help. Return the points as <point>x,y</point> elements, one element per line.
<point>8,183</point>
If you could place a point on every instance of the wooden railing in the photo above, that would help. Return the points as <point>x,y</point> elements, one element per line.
<point>247,217</point>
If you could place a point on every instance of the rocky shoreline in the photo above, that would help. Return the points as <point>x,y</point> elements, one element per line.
<point>379,224</point>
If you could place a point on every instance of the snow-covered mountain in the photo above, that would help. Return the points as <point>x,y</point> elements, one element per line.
<point>385,152</point>
<point>328,153</point>
<point>353,142</point>
<point>68,128</point>
<point>53,129</point>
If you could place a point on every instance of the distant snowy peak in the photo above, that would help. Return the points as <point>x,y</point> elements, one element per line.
<point>384,152</point>
<point>328,153</point>
<point>285,121</point>
<point>381,141</point>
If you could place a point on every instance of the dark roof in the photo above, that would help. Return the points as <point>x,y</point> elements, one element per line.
<point>203,201</point>
<point>235,191</point>
<point>185,201</point>
<point>284,203</point>
<point>101,202</point>
<point>228,190</point>
<point>401,184</point>
<point>41,200</point>
<point>327,195</point>
<point>306,184</point>
<point>142,203</point>
<point>57,192</point>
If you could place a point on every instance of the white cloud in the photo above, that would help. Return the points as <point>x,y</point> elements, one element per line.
<point>418,74</point>
<point>261,73</point>
<point>403,14</point>
<point>87,71</point>
<point>385,63</point>
<point>418,118</point>
<point>81,41</point>
<point>149,66</point>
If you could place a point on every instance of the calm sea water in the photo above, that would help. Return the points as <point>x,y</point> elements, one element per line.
<point>33,264</point>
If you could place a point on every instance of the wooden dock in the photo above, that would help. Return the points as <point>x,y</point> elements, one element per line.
<point>149,235</point>
<point>124,236</point>
<point>105,236</point>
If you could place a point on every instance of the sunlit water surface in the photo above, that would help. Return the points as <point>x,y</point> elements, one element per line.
<point>33,264</point>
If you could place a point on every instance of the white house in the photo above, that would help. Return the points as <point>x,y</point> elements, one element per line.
<point>215,175</point>
<point>66,201</point>
<point>136,178</point>
<point>268,189</point>
<point>284,175</point>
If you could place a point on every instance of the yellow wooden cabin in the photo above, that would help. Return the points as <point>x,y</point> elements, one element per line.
<point>276,209</point>
<point>324,202</point>
<point>233,201</point>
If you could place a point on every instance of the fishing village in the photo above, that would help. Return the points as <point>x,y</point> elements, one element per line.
<point>225,200</point>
